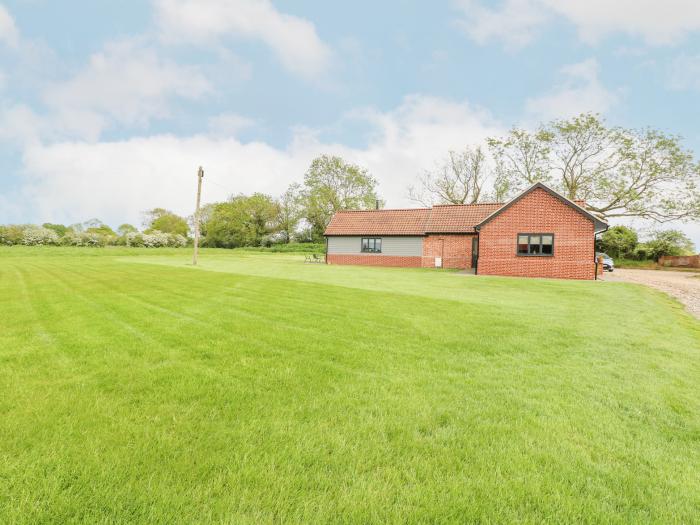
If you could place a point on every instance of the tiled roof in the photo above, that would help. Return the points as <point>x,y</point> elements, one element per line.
<point>379,222</point>
<point>449,218</point>
<point>458,218</point>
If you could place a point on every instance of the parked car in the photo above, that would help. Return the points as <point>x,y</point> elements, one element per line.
<point>608,263</point>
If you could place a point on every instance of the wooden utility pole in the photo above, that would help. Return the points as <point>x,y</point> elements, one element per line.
<point>200,176</point>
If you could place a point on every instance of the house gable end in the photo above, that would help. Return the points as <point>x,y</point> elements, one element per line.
<point>598,224</point>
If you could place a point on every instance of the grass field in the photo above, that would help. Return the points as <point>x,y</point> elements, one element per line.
<point>257,389</point>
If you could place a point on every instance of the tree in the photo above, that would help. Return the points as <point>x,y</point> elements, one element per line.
<point>206,212</point>
<point>59,229</point>
<point>522,159</point>
<point>618,172</point>
<point>92,223</point>
<point>242,221</point>
<point>125,229</point>
<point>619,241</point>
<point>102,229</point>
<point>459,179</point>
<point>669,242</point>
<point>331,185</point>
<point>162,220</point>
<point>290,212</point>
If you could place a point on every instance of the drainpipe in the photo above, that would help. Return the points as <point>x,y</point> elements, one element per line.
<point>325,255</point>
<point>478,250</point>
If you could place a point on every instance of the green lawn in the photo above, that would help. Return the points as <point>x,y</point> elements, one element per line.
<point>257,389</point>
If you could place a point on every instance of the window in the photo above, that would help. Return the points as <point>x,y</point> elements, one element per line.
<point>371,245</point>
<point>541,244</point>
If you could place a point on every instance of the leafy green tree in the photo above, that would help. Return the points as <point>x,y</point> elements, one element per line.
<point>59,229</point>
<point>330,185</point>
<point>242,221</point>
<point>619,241</point>
<point>669,242</point>
<point>290,212</point>
<point>125,229</point>
<point>618,172</point>
<point>102,229</point>
<point>162,220</point>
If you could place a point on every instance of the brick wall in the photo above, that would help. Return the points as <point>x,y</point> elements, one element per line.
<point>681,261</point>
<point>455,250</point>
<point>375,260</point>
<point>538,212</point>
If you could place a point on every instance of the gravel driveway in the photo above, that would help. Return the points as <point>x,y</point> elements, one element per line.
<point>684,286</point>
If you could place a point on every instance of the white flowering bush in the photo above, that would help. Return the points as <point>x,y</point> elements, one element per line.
<point>83,239</point>
<point>178,241</point>
<point>39,237</point>
<point>30,235</point>
<point>134,239</point>
<point>156,239</point>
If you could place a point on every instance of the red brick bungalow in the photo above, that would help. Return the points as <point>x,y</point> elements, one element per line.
<point>539,233</point>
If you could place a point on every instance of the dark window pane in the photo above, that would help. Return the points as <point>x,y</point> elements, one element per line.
<point>378,245</point>
<point>534,249</point>
<point>522,248</point>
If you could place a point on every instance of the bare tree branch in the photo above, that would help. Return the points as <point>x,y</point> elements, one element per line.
<point>459,179</point>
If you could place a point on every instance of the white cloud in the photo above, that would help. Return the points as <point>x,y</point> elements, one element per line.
<point>684,73</point>
<point>116,181</point>
<point>581,91</point>
<point>293,39</point>
<point>8,29</point>
<point>20,125</point>
<point>516,22</point>
<point>126,83</point>
<point>229,124</point>
<point>657,22</point>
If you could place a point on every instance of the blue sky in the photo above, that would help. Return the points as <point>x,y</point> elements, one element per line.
<point>107,108</point>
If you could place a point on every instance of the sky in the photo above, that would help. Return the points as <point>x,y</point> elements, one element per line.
<point>108,108</point>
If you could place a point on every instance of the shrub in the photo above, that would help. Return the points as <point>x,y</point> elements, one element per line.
<point>83,239</point>
<point>669,242</point>
<point>134,239</point>
<point>12,233</point>
<point>37,236</point>
<point>178,241</point>
<point>156,239</point>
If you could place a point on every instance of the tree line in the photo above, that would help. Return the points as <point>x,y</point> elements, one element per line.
<point>619,173</point>
<point>161,228</point>
<point>300,215</point>
<point>623,242</point>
